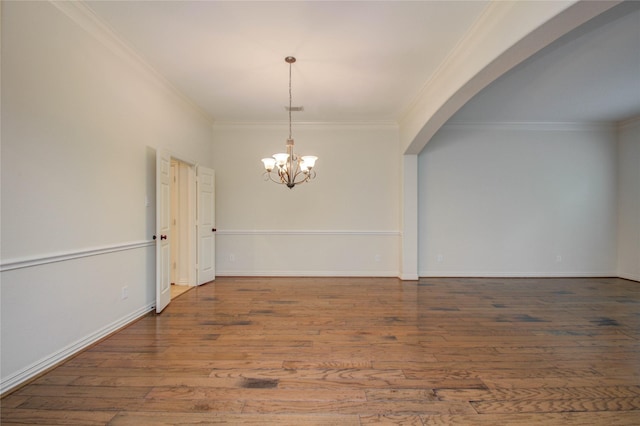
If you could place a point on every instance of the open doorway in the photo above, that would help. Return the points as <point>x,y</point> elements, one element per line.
<point>188,257</point>
<point>183,241</point>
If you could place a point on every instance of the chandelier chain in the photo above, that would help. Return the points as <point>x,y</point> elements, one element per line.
<point>290,97</point>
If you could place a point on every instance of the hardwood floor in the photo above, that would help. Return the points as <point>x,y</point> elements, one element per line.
<point>177,290</point>
<point>360,351</point>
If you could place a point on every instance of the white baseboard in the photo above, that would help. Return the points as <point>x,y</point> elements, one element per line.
<point>489,274</point>
<point>409,277</point>
<point>630,277</point>
<point>9,383</point>
<point>307,273</point>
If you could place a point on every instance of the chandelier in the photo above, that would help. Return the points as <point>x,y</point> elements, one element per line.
<point>286,168</point>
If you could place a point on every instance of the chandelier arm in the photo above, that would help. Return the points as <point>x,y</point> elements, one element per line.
<point>284,178</point>
<point>269,176</point>
<point>283,174</point>
<point>301,181</point>
<point>283,181</point>
<point>306,176</point>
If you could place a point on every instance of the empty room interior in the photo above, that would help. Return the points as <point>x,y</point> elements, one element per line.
<point>444,227</point>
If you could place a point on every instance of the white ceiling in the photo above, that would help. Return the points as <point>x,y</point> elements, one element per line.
<point>357,61</point>
<point>363,61</point>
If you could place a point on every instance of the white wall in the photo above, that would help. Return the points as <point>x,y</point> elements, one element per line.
<point>345,222</point>
<point>518,200</point>
<point>80,126</point>
<point>629,199</point>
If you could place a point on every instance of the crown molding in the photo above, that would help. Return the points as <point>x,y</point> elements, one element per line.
<point>533,125</point>
<point>629,122</point>
<point>83,16</point>
<point>278,124</point>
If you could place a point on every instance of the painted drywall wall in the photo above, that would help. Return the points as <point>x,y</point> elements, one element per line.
<point>80,128</point>
<point>345,222</point>
<point>629,199</point>
<point>518,200</point>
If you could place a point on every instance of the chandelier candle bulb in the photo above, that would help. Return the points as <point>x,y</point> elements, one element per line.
<point>291,169</point>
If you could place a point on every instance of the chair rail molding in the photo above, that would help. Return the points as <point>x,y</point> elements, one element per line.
<point>28,262</point>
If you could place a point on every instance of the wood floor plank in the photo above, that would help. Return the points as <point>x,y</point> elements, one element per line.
<point>391,420</point>
<point>54,403</point>
<point>36,416</point>
<point>256,394</point>
<point>558,406</point>
<point>600,418</point>
<point>566,393</point>
<point>401,395</point>
<point>328,364</point>
<point>124,371</point>
<point>151,381</point>
<point>557,382</point>
<point>82,391</point>
<point>144,419</point>
<point>359,351</point>
<point>367,408</point>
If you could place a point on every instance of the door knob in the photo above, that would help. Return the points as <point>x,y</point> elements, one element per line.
<point>213,229</point>
<point>163,237</point>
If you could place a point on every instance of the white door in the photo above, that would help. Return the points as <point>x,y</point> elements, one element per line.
<point>206,225</point>
<point>163,230</point>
